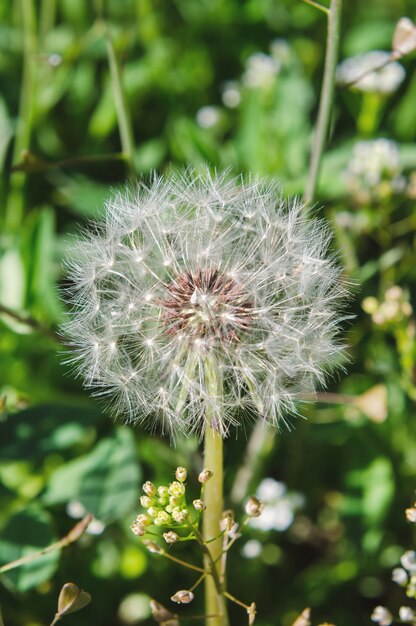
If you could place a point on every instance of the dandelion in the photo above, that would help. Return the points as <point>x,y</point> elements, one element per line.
<point>203,291</point>
<point>372,72</point>
<point>203,300</point>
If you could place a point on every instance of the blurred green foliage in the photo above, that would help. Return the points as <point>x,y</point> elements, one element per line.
<point>196,91</point>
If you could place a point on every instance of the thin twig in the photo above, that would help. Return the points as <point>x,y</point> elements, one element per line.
<point>317,6</point>
<point>195,568</point>
<point>31,163</point>
<point>326,99</point>
<point>31,322</point>
<point>370,70</point>
<point>73,535</point>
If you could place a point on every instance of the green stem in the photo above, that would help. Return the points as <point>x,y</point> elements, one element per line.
<point>123,113</point>
<point>326,98</point>
<point>370,112</point>
<point>15,202</point>
<point>213,498</point>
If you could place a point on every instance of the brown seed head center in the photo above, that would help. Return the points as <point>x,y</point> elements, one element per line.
<point>206,304</point>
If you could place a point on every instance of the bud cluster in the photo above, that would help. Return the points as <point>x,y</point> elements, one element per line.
<point>167,508</point>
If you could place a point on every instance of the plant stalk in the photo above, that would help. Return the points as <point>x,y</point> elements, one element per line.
<point>15,203</point>
<point>213,497</point>
<point>326,99</point>
<point>123,114</point>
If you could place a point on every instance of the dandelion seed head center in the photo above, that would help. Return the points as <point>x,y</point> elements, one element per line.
<point>206,304</point>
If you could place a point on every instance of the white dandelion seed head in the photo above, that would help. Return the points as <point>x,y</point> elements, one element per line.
<point>385,80</point>
<point>242,319</point>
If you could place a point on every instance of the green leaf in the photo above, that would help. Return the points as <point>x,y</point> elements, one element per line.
<point>35,432</point>
<point>105,481</point>
<point>26,532</point>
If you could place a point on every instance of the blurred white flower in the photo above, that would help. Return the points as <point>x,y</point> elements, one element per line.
<point>261,71</point>
<point>374,171</point>
<point>231,94</point>
<point>203,291</point>
<point>280,50</point>
<point>384,80</point>
<point>399,576</point>
<point>406,614</point>
<point>279,506</point>
<point>76,510</point>
<point>382,616</point>
<point>408,560</point>
<point>208,117</point>
<point>252,549</point>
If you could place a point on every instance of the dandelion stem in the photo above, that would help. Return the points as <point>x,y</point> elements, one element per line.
<point>212,515</point>
<point>326,99</point>
<point>213,497</point>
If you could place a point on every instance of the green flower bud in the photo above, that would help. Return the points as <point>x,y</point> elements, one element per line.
<point>149,488</point>
<point>181,474</point>
<point>176,488</point>
<point>146,501</point>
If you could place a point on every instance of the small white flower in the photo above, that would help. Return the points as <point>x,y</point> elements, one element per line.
<point>374,170</point>
<point>382,616</point>
<point>270,490</point>
<point>399,576</point>
<point>408,560</point>
<point>384,80</point>
<point>200,291</point>
<point>252,549</point>
<point>261,71</point>
<point>208,117</point>
<point>231,94</point>
<point>406,614</point>
<point>279,507</point>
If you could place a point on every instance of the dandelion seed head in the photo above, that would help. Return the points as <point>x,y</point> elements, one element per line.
<point>200,290</point>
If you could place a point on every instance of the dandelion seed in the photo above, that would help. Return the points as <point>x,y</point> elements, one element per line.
<point>243,319</point>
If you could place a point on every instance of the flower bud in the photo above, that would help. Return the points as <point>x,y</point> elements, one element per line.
<point>253,507</point>
<point>163,491</point>
<point>183,596</point>
<point>146,501</point>
<point>163,519</point>
<point>180,515</point>
<point>143,519</point>
<point>205,475</point>
<point>138,529</point>
<point>411,515</point>
<point>181,474</point>
<point>149,488</point>
<point>176,489</point>
<point>199,505</point>
<point>174,501</point>
<point>227,522</point>
<point>153,547</point>
<point>153,511</point>
<point>171,537</point>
